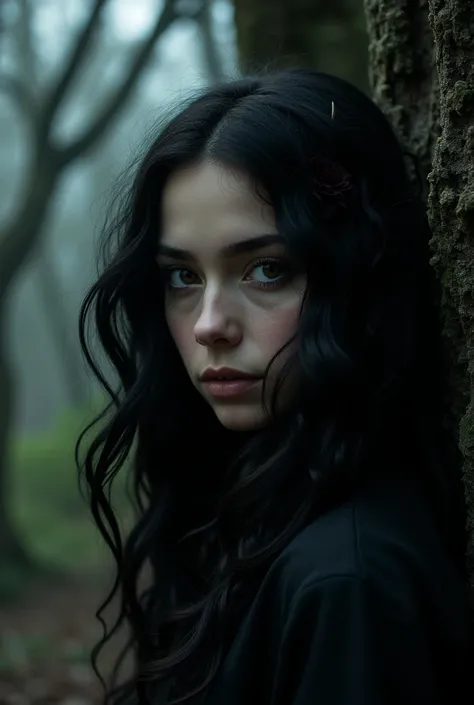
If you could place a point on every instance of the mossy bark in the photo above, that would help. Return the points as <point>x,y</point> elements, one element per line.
<point>402,74</point>
<point>451,214</point>
<point>422,76</point>
<point>328,36</point>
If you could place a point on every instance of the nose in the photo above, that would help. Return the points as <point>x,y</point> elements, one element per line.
<point>218,321</point>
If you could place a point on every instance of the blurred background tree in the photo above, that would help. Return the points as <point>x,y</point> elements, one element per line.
<point>330,36</point>
<point>47,159</point>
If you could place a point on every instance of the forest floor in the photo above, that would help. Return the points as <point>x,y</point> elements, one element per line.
<point>47,611</point>
<point>46,637</point>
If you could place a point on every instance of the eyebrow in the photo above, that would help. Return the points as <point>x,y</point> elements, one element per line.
<point>231,250</point>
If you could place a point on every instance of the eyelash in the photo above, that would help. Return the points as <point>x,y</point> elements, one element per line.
<point>261,285</point>
<point>275,282</point>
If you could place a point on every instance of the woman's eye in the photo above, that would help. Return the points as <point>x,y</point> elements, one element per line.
<point>179,278</point>
<point>268,272</point>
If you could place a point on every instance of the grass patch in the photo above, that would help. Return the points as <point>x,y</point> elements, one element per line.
<point>48,509</point>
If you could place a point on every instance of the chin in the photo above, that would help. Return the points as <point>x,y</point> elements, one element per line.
<point>241,419</point>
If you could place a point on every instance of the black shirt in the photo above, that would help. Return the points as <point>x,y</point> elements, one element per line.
<point>363,607</point>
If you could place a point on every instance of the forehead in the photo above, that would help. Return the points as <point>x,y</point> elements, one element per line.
<point>208,203</point>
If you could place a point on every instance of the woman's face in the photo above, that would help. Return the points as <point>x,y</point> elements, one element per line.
<point>232,297</point>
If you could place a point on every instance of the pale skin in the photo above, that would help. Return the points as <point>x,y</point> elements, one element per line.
<point>233,299</point>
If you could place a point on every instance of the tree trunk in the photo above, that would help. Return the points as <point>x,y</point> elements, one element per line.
<point>51,292</point>
<point>328,36</point>
<point>451,213</point>
<point>404,81</point>
<point>11,548</point>
<point>20,236</point>
<point>209,45</point>
<point>402,74</point>
<point>422,76</point>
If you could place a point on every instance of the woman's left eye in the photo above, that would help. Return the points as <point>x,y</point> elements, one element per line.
<point>268,272</point>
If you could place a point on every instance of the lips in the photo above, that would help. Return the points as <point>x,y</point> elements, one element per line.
<point>226,382</point>
<point>227,388</point>
<point>222,374</point>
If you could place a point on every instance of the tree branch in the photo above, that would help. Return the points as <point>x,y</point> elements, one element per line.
<point>209,45</point>
<point>117,101</point>
<point>18,91</point>
<point>60,88</point>
<point>27,57</point>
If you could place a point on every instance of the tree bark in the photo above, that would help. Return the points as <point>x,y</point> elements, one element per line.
<point>328,36</point>
<point>451,213</point>
<point>422,75</point>
<point>402,75</point>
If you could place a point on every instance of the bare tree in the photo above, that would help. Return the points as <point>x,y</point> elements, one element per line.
<point>48,161</point>
<point>212,58</point>
<point>49,288</point>
<point>422,76</point>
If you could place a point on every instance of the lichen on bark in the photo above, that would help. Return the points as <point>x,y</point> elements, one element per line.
<point>451,214</point>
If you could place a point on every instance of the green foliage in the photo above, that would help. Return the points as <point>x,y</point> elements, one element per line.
<point>48,509</point>
<point>19,652</point>
<point>14,580</point>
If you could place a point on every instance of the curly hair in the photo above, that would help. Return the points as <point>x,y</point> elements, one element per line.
<point>210,518</point>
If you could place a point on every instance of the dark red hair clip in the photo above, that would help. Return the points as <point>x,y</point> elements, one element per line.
<point>330,179</point>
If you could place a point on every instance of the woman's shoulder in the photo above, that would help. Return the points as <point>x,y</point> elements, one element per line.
<point>383,534</point>
<point>367,587</point>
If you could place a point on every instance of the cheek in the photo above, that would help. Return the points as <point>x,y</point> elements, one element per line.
<point>277,328</point>
<point>181,334</point>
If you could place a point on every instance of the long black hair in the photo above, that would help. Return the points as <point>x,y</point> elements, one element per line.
<point>212,516</point>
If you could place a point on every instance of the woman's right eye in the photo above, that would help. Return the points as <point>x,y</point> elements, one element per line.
<point>180,278</point>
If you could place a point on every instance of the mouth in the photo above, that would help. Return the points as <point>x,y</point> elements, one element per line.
<point>225,387</point>
<point>227,382</point>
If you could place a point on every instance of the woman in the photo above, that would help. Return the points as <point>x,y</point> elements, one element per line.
<point>269,308</point>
